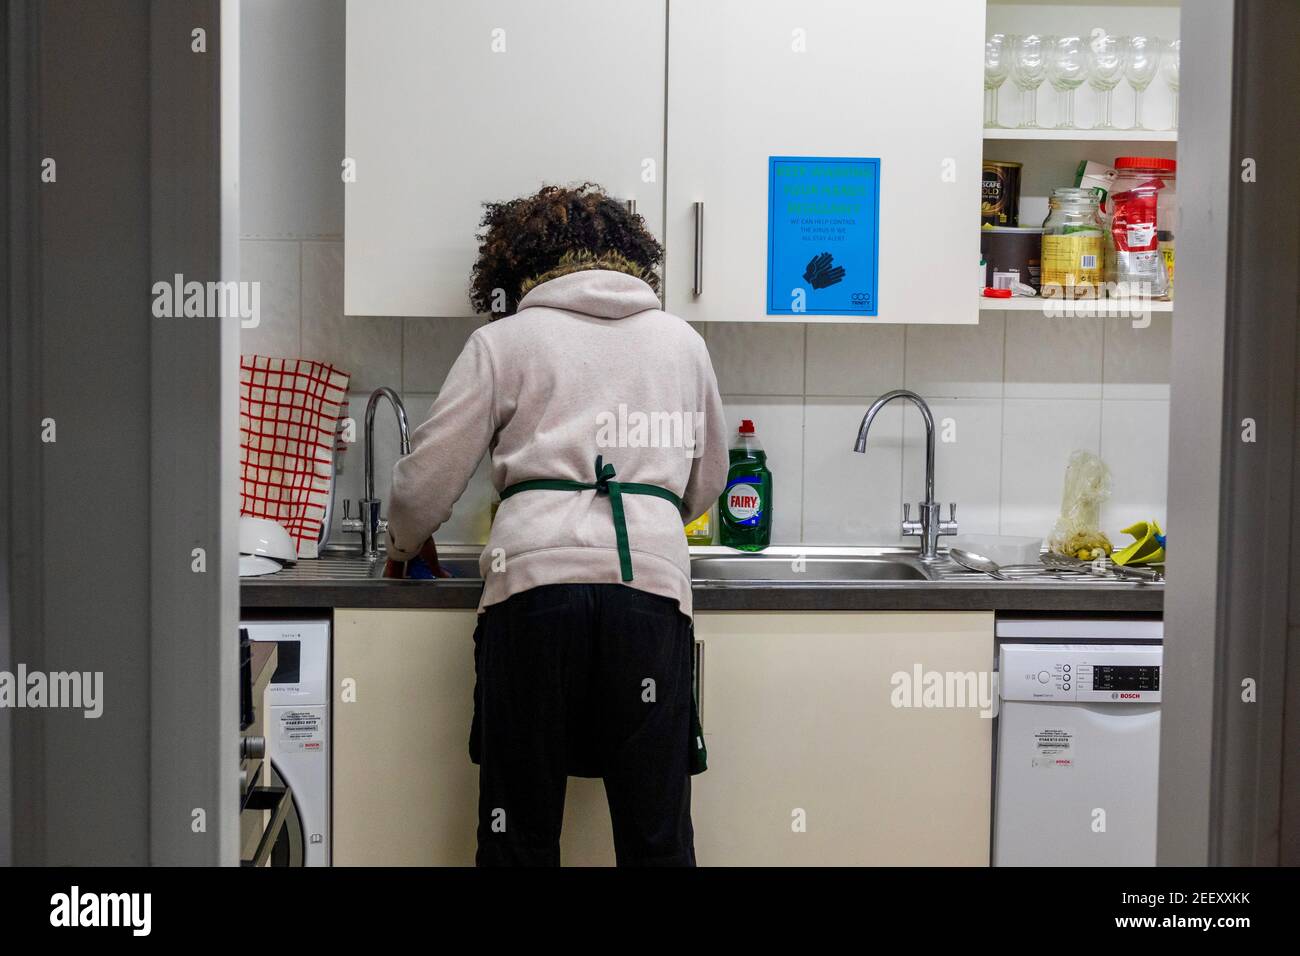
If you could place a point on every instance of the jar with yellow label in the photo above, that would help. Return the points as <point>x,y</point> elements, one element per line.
<point>1073,245</point>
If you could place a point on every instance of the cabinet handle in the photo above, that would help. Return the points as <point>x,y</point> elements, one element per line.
<point>698,287</point>
<point>699,681</point>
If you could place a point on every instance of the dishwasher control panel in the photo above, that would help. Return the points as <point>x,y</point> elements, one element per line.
<point>1095,673</point>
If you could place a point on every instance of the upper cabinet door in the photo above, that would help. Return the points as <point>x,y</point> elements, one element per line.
<point>450,105</point>
<point>753,79</point>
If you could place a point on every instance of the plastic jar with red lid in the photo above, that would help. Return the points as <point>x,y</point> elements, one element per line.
<point>1143,223</point>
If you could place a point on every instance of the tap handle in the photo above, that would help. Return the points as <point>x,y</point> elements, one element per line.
<point>907,512</point>
<point>949,526</point>
<point>347,508</point>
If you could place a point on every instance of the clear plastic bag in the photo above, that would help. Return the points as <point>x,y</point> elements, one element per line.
<point>1078,531</point>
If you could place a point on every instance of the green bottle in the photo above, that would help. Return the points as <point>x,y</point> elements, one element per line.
<point>745,508</point>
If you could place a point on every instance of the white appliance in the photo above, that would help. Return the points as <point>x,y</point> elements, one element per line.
<point>297,727</point>
<point>1078,743</point>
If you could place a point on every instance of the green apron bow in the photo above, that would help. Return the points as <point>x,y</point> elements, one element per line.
<point>603,485</point>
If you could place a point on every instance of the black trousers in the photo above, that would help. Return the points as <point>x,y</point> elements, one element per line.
<point>589,680</point>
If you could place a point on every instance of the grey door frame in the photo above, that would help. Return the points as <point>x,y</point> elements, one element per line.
<point>100,570</point>
<point>1228,787</point>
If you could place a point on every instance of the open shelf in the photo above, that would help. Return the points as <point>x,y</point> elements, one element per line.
<point>1077,308</point>
<point>1085,135</point>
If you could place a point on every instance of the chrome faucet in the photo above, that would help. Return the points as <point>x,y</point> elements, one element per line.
<point>369,522</point>
<point>931,525</point>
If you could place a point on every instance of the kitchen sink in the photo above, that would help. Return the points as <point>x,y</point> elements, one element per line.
<point>776,565</point>
<point>790,566</point>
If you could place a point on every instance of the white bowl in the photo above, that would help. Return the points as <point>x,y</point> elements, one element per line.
<point>267,538</point>
<point>254,565</point>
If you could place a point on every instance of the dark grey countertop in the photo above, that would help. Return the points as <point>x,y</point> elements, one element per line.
<point>348,582</point>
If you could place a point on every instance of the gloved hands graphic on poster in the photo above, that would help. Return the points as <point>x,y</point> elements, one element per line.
<point>820,272</point>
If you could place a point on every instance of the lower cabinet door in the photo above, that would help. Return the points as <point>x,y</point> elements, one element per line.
<point>405,790</point>
<point>829,743</point>
<point>812,758</point>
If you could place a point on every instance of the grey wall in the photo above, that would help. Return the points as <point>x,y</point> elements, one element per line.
<point>102,520</point>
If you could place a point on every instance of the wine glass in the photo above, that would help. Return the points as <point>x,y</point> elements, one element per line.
<point>1028,65</point>
<point>1067,68</point>
<point>1105,69</point>
<point>996,65</point>
<point>1140,67</point>
<point>1169,70</point>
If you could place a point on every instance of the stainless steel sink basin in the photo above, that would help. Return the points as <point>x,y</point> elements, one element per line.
<point>791,566</point>
<point>775,566</point>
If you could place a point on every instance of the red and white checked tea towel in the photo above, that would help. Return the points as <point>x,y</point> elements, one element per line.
<point>289,411</point>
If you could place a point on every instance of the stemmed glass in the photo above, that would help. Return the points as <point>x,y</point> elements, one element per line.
<point>1169,70</point>
<point>996,66</point>
<point>1141,62</point>
<point>1028,65</point>
<point>1106,56</point>
<point>1067,68</point>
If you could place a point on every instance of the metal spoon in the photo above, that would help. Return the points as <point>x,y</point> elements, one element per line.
<point>977,562</point>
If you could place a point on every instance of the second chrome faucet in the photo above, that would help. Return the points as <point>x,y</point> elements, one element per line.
<point>370,523</point>
<point>930,524</point>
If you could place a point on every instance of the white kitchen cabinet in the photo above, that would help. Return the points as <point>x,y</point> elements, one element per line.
<point>450,105</point>
<point>751,79</point>
<point>405,791</point>
<point>799,718</point>
<point>811,762</point>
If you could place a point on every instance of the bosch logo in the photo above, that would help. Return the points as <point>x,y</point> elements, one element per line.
<point>1130,696</point>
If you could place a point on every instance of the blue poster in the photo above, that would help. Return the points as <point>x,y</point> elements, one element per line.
<point>823,235</point>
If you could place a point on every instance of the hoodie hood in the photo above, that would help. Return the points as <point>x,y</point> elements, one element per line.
<point>598,292</point>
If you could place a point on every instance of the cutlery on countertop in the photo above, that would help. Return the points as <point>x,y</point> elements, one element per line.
<point>985,565</point>
<point>1107,569</point>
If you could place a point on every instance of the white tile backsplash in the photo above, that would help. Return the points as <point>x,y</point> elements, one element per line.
<point>1136,364</point>
<point>1135,444</point>
<point>851,498</point>
<point>1038,437</point>
<point>274,265</point>
<point>965,472</point>
<point>1019,392</point>
<point>956,361</point>
<point>369,347</point>
<point>429,347</point>
<point>751,358</point>
<point>854,359</point>
<point>1052,357</point>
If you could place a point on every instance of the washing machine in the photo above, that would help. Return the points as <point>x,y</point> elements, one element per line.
<point>297,727</point>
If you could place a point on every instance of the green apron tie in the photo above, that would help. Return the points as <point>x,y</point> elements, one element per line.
<point>603,485</point>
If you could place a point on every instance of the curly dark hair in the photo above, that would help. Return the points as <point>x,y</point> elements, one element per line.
<point>526,238</point>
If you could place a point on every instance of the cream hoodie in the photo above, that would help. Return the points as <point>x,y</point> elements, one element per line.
<point>589,365</point>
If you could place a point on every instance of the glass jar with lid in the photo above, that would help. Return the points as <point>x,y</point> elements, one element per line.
<point>1073,245</point>
<point>1143,221</point>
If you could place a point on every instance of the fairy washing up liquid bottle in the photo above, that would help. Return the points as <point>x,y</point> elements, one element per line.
<point>745,508</point>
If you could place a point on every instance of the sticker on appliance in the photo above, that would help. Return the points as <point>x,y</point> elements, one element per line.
<point>302,728</point>
<point>1053,747</point>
